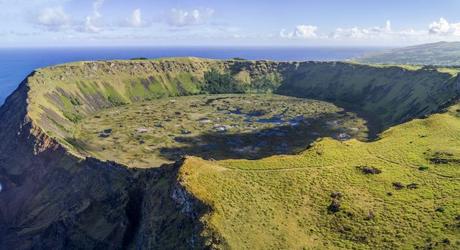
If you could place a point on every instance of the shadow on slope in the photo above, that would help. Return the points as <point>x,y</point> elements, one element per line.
<point>257,144</point>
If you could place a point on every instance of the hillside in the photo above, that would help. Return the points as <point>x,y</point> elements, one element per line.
<point>397,190</point>
<point>441,54</point>
<point>393,193</point>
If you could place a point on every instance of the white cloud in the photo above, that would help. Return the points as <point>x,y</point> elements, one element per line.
<point>441,27</point>
<point>97,4</point>
<point>93,22</point>
<point>456,29</point>
<point>354,33</point>
<point>53,18</point>
<point>388,26</point>
<point>377,35</point>
<point>136,18</point>
<point>444,28</point>
<point>306,31</point>
<point>301,31</point>
<point>180,17</point>
<point>364,33</point>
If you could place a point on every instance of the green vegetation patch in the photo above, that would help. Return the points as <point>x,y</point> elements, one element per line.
<point>148,134</point>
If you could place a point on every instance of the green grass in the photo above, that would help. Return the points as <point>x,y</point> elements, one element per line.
<point>282,201</point>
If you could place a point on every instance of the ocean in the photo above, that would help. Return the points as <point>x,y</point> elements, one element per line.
<point>17,63</point>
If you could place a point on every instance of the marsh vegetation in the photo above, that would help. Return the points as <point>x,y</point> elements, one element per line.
<point>249,126</point>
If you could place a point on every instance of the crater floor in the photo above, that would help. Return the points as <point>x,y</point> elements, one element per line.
<point>217,127</point>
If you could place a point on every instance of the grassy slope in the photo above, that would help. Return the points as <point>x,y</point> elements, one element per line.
<point>393,94</point>
<point>442,53</point>
<point>281,201</point>
<point>60,96</point>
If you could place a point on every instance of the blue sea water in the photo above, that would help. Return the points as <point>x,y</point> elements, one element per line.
<point>17,63</point>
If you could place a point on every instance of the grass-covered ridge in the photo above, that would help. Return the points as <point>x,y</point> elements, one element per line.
<point>400,192</point>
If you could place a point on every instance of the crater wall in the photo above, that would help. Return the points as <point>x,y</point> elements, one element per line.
<point>54,197</point>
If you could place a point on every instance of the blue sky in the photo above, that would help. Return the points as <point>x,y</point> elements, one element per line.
<point>224,23</point>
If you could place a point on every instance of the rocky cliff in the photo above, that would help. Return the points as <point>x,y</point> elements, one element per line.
<point>53,199</point>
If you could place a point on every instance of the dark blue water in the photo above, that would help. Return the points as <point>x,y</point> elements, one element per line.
<point>16,64</point>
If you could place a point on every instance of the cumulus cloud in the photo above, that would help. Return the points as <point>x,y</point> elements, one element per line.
<point>181,18</point>
<point>93,22</point>
<point>441,29</point>
<point>384,34</point>
<point>444,28</point>
<point>363,33</point>
<point>301,31</point>
<point>388,26</point>
<point>136,18</point>
<point>53,18</point>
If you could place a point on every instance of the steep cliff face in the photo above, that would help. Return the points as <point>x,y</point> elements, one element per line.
<point>53,199</point>
<point>54,196</point>
<point>391,94</point>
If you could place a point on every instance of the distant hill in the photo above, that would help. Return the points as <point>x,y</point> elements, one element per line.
<point>441,53</point>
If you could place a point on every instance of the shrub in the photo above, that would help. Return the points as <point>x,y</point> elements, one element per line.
<point>334,207</point>
<point>440,209</point>
<point>218,83</point>
<point>115,100</point>
<point>423,168</point>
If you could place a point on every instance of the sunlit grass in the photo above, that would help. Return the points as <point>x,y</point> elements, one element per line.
<point>282,201</point>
